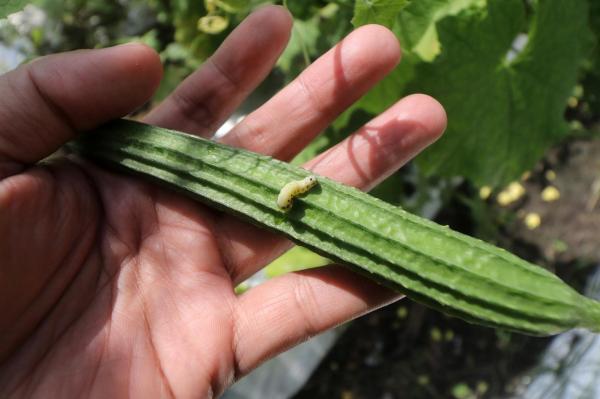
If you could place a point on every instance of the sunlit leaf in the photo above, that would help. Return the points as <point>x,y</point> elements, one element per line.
<point>505,105</point>
<point>381,12</point>
<point>10,6</point>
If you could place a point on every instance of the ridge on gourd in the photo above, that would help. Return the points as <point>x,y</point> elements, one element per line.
<point>449,271</point>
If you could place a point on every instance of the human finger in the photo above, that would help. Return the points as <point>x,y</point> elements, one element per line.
<point>286,123</point>
<point>45,103</point>
<point>207,97</point>
<point>289,309</point>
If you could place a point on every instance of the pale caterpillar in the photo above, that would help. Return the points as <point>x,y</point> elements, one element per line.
<point>293,189</point>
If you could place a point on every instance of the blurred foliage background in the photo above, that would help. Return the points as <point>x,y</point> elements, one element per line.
<point>504,69</point>
<point>520,80</point>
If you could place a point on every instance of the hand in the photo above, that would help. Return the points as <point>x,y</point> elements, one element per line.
<point>111,286</point>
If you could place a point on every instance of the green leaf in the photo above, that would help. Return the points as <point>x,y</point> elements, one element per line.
<point>297,258</point>
<point>302,43</point>
<point>381,12</point>
<point>10,6</point>
<point>416,27</point>
<point>461,391</point>
<point>417,34</point>
<point>505,107</point>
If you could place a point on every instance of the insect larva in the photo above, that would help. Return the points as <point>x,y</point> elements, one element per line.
<point>294,189</point>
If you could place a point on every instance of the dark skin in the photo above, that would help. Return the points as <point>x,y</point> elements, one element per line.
<point>113,287</point>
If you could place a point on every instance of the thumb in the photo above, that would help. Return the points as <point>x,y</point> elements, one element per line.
<point>47,102</point>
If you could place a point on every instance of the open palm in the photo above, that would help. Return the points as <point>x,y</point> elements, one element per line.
<point>111,286</point>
